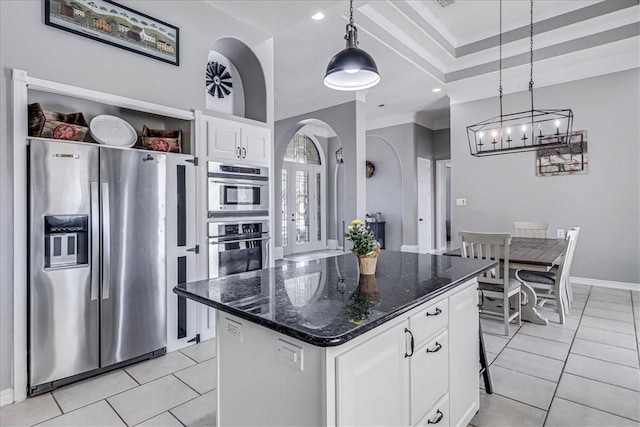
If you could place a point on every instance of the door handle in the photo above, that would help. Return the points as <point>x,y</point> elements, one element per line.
<point>237,151</point>
<point>106,242</point>
<point>435,313</point>
<point>412,342</point>
<point>244,153</point>
<point>95,240</point>
<point>420,219</point>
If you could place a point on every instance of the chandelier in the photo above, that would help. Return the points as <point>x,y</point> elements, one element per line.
<point>524,131</point>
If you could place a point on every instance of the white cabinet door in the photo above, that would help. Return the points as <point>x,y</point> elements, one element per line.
<point>223,138</point>
<point>463,355</point>
<point>372,384</point>
<point>181,256</point>
<point>429,370</point>
<point>255,145</point>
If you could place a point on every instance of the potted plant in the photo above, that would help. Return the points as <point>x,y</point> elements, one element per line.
<point>365,246</point>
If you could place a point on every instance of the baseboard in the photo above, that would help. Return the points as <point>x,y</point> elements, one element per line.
<point>410,248</point>
<point>606,283</point>
<point>278,252</point>
<point>6,397</point>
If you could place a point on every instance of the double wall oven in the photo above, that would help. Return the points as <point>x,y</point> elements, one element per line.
<point>238,230</point>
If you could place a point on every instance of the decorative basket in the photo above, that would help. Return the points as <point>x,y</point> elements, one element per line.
<point>162,140</point>
<point>49,124</point>
<point>367,263</point>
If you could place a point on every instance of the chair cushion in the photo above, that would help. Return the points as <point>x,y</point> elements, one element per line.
<point>529,276</point>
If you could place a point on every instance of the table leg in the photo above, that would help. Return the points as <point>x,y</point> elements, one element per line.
<point>529,309</point>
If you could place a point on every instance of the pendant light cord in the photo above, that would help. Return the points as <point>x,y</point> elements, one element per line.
<point>500,65</point>
<point>531,62</point>
<point>351,12</point>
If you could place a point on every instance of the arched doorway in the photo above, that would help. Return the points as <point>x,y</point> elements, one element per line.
<point>303,196</point>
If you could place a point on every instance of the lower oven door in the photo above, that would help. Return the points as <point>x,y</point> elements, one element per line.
<point>237,255</point>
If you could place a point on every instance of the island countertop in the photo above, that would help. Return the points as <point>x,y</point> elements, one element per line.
<point>326,302</point>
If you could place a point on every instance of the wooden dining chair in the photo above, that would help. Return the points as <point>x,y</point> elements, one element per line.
<point>531,229</point>
<point>496,282</point>
<point>552,285</point>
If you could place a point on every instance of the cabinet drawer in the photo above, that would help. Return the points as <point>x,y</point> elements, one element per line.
<point>429,321</point>
<point>429,374</point>
<point>438,415</point>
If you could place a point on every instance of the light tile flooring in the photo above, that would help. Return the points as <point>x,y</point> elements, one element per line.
<point>175,390</point>
<point>582,373</point>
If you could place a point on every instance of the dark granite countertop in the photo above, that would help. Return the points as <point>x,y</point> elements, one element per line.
<point>325,302</point>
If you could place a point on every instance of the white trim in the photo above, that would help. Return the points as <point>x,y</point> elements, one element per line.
<point>6,396</point>
<point>333,244</point>
<point>441,200</point>
<point>18,120</point>
<point>106,98</point>
<point>278,252</point>
<point>605,283</point>
<point>410,248</point>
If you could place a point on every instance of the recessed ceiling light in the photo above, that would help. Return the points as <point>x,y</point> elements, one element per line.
<point>436,89</point>
<point>318,16</point>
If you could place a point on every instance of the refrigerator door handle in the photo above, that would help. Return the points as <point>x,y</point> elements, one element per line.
<point>106,242</point>
<point>95,240</point>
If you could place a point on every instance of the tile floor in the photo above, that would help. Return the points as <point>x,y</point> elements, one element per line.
<point>582,373</point>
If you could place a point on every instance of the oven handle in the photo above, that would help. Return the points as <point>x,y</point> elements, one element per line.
<point>240,182</point>
<point>214,242</point>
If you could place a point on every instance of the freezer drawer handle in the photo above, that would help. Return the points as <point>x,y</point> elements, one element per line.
<point>106,241</point>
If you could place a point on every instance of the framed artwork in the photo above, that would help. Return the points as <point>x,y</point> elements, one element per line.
<point>108,22</point>
<point>570,160</point>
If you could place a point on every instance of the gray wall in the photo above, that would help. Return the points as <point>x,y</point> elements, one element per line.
<point>342,120</point>
<point>441,149</point>
<point>605,202</point>
<point>26,43</point>
<point>382,189</point>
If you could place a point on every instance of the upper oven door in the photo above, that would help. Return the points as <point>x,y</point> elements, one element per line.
<point>232,194</point>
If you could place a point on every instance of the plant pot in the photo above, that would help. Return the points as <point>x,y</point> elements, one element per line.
<point>367,263</point>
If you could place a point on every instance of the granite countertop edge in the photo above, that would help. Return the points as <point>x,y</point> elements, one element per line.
<point>335,340</point>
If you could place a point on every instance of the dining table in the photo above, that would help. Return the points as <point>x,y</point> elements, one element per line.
<point>530,253</point>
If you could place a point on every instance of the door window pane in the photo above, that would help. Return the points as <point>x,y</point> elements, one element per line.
<point>301,149</point>
<point>302,207</point>
<point>285,210</point>
<point>318,208</point>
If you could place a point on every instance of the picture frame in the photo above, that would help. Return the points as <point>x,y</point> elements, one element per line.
<point>109,22</point>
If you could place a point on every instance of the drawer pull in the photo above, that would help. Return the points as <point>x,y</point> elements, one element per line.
<point>436,349</point>
<point>412,343</point>
<point>435,313</point>
<point>439,416</point>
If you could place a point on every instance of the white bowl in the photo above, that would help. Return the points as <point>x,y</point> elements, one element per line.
<point>112,130</point>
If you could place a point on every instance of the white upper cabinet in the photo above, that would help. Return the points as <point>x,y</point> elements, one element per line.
<point>244,143</point>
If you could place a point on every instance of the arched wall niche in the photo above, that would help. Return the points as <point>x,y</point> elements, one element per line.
<point>251,75</point>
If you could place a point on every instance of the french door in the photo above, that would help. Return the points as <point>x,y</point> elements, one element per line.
<point>303,208</point>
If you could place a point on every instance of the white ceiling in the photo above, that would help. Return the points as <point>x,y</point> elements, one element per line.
<point>419,45</point>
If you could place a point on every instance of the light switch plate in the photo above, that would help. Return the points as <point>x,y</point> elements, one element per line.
<point>560,233</point>
<point>290,354</point>
<point>233,329</point>
<point>461,202</point>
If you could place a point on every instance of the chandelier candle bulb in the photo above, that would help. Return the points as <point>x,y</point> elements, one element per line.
<point>494,134</point>
<point>509,135</point>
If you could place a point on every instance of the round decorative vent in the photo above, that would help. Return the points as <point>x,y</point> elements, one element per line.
<point>218,80</point>
<point>370,169</point>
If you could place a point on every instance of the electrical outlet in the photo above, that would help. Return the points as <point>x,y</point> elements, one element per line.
<point>461,202</point>
<point>233,329</point>
<point>560,233</point>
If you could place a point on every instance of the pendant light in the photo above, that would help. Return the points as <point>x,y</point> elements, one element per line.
<point>524,131</point>
<point>351,68</point>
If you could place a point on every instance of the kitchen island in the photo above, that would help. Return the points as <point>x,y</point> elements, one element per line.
<point>315,343</point>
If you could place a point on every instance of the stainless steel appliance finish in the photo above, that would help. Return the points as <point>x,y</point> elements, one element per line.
<point>97,250</point>
<point>237,190</point>
<point>238,246</point>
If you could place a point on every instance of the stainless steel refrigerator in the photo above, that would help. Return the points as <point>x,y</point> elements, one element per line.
<point>97,274</point>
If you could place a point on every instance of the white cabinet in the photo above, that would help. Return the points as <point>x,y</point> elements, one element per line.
<point>463,356</point>
<point>181,249</point>
<point>421,371</point>
<point>373,382</point>
<point>227,139</point>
